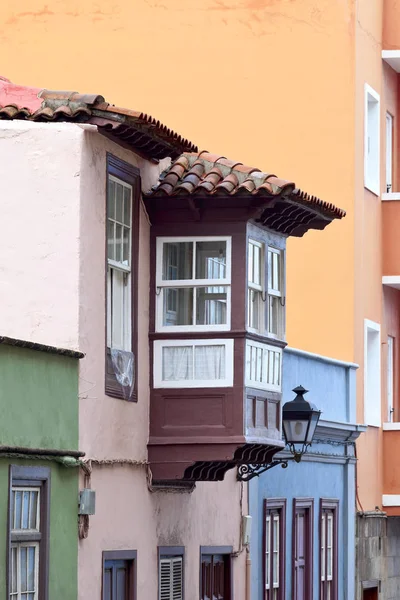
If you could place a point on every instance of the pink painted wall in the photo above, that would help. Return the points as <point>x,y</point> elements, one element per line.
<point>128,516</point>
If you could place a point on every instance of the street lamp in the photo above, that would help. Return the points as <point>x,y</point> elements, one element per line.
<point>299,422</point>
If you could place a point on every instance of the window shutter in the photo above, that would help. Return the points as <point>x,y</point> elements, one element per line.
<point>177,579</point>
<point>165,578</point>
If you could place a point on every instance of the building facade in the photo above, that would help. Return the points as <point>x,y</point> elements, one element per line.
<point>170,279</point>
<point>39,470</point>
<point>303,530</point>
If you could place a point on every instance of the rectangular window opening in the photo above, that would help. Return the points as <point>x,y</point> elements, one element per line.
<point>171,573</point>
<point>28,533</point>
<point>274,548</point>
<point>193,363</point>
<point>193,284</point>
<point>276,299</point>
<point>371,140</point>
<point>390,377</point>
<point>122,234</point>
<point>216,573</point>
<point>389,153</point>
<point>372,374</point>
<point>328,549</point>
<point>119,575</point>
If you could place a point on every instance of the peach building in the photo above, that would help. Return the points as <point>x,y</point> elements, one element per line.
<point>311,87</point>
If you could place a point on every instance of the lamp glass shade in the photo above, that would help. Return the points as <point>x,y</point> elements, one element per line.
<point>295,431</point>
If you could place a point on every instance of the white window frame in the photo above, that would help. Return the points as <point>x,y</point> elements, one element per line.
<point>257,288</point>
<point>161,284</point>
<point>113,265</point>
<point>262,385</point>
<point>371,140</point>
<point>193,383</point>
<point>390,376</point>
<point>372,374</point>
<point>389,153</point>
<point>19,545</point>
<point>25,531</point>
<point>280,294</point>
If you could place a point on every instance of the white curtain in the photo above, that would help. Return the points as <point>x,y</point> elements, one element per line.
<point>209,362</point>
<point>177,363</point>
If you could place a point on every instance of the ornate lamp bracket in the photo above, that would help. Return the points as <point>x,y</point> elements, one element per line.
<point>247,472</point>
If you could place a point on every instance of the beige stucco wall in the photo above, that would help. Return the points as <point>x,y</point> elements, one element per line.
<point>39,242</point>
<point>128,515</point>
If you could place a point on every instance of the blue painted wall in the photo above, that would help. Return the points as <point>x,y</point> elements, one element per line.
<point>328,471</point>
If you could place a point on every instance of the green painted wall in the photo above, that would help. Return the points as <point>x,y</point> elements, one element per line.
<point>63,527</point>
<point>38,399</point>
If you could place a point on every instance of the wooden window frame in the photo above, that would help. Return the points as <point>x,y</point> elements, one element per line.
<point>131,175</point>
<point>279,295</point>
<point>279,505</point>
<point>333,506</point>
<point>129,556</point>
<point>32,477</point>
<point>308,504</point>
<point>225,550</point>
<point>372,134</point>
<point>169,552</point>
<point>257,288</point>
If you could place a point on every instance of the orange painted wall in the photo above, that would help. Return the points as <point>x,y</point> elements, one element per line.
<point>267,82</point>
<point>391,229</point>
<point>391,31</point>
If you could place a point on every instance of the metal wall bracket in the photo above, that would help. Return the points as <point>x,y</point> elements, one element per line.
<point>247,472</point>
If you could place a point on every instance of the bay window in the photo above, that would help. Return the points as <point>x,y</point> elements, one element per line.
<point>193,284</point>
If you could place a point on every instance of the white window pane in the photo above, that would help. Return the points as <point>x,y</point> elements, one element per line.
<point>177,363</point>
<point>177,260</point>
<point>119,202</point>
<point>117,300</point>
<point>257,265</point>
<point>211,305</point>
<point>118,243</point>
<point>111,239</point>
<point>127,205</point>
<point>111,199</point>
<point>270,286</point>
<point>25,509</point>
<point>254,308</point>
<point>31,568</point>
<point>126,243</point>
<point>178,306</point>
<point>14,566</point>
<point>24,569</point>
<point>210,250</point>
<point>18,510</point>
<point>250,262</point>
<point>209,362</point>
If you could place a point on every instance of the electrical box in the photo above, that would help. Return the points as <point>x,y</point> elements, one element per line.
<point>87,502</point>
<point>246,529</point>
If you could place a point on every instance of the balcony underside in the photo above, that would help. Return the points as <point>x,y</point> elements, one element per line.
<point>174,463</point>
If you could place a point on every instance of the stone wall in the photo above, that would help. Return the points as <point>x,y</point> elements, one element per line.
<point>378,555</point>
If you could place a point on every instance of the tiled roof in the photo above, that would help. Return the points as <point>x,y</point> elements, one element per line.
<point>142,133</point>
<point>209,174</point>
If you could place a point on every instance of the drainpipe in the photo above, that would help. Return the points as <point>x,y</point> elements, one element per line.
<point>248,573</point>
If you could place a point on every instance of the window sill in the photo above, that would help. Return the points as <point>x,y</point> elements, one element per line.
<point>391,196</point>
<point>372,187</point>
